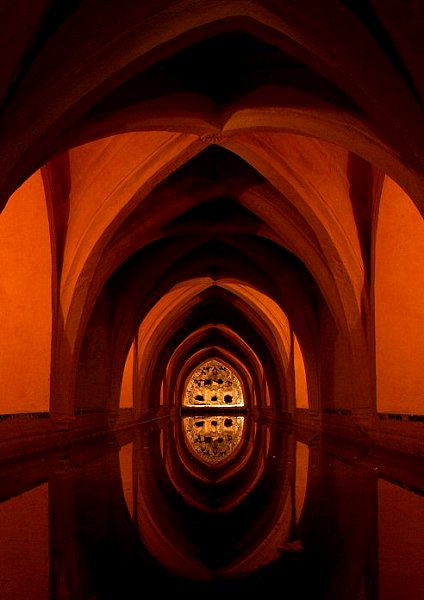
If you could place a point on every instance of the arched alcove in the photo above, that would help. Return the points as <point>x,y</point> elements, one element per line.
<point>213,385</point>
<point>399,302</point>
<point>225,146</point>
<point>26,301</point>
<point>300,379</point>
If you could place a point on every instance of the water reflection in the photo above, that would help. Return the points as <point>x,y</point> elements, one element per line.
<point>213,438</point>
<point>142,511</point>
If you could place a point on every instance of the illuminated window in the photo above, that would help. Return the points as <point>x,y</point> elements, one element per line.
<point>213,384</point>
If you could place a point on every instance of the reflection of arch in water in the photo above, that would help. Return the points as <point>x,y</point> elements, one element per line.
<point>215,438</point>
<point>260,491</point>
<point>192,477</point>
<point>213,384</point>
<point>79,530</point>
<point>236,476</point>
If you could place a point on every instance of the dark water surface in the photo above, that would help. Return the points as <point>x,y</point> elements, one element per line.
<point>212,506</point>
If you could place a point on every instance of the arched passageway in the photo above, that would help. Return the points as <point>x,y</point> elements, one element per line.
<point>233,182</point>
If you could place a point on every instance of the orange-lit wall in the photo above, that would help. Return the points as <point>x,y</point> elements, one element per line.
<point>401,542</point>
<point>300,376</point>
<point>399,303</point>
<point>25,301</point>
<point>126,400</point>
<point>24,546</point>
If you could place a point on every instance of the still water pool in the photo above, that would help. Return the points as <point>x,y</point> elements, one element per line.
<point>212,506</point>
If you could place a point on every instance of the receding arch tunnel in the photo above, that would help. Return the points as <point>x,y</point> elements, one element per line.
<point>216,231</point>
<point>226,177</point>
<point>232,183</point>
<point>229,146</point>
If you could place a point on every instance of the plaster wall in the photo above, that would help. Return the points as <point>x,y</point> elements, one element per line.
<point>25,301</point>
<point>399,303</point>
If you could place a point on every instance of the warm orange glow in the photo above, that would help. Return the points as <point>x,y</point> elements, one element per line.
<point>108,174</point>
<point>311,174</point>
<point>25,301</point>
<point>211,216</point>
<point>268,307</point>
<point>185,295</point>
<point>301,385</point>
<point>399,303</point>
<point>211,299</point>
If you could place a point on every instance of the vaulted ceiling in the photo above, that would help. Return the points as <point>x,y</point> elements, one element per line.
<point>213,175</point>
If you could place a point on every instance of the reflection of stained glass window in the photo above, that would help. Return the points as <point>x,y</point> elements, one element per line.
<point>213,384</point>
<point>213,439</point>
